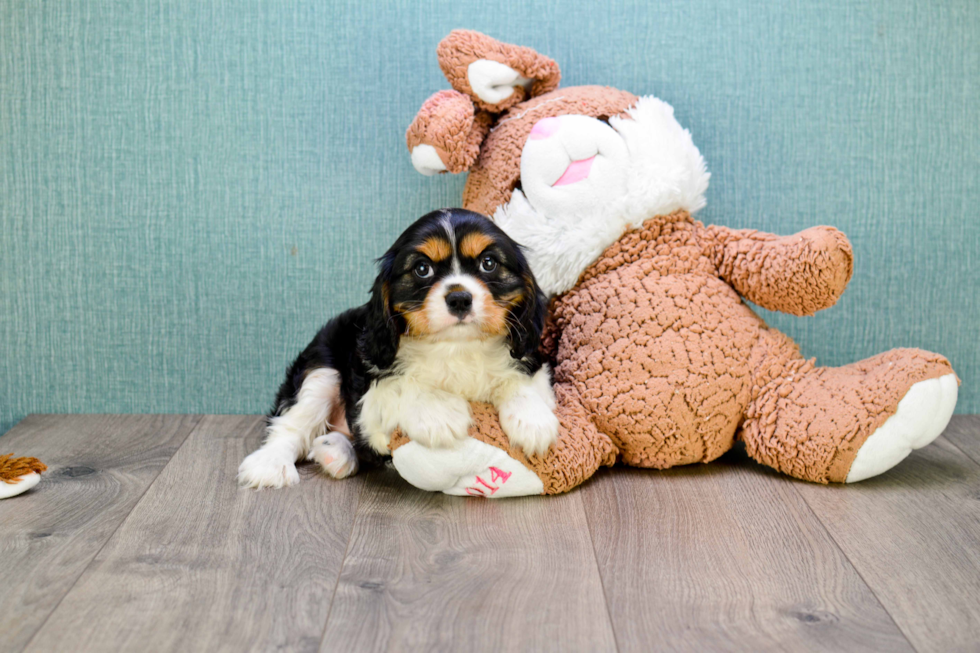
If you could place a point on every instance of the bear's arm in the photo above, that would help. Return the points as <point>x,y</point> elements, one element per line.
<point>799,274</point>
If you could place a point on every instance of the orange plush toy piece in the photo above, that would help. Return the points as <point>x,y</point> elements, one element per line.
<point>657,360</point>
<point>18,475</point>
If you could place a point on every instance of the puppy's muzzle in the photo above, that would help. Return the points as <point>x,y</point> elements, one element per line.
<point>459,303</point>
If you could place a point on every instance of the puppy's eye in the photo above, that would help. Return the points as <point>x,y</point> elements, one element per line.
<point>423,270</point>
<point>488,264</point>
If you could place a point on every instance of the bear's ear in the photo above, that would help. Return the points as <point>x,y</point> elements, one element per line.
<point>495,75</point>
<point>446,134</point>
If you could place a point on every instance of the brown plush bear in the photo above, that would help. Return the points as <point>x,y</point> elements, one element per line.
<point>657,360</point>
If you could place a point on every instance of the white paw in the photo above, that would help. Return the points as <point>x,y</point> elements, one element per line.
<point>922,415</point>
<point>529,424</point>
<point>437,423</point>
<point>335,454</point>
<point>426,160</point>
<point>268,467</point>
<point>493,81</point>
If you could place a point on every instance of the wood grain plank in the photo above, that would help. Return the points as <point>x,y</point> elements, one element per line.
<point>429,572</point>
<point>725,557</point>
<point>201,565</point>
<point>964,432</point>
<point>913,533</point>
<point>98,468</point>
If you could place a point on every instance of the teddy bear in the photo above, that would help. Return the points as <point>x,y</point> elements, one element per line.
<point>657,360</point>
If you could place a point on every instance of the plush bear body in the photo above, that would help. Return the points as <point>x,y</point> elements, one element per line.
<point>657,360</point>
<point>669,363</point>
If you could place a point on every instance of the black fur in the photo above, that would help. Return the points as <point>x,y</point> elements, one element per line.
<point>525,335</point>
<point>337,346</point>
<point>362,343</point>
<point>378,340</point>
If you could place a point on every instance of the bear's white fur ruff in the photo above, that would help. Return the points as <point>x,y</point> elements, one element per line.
<point>665,173</point>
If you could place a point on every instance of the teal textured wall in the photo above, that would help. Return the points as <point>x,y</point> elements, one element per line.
<point>188,189</point>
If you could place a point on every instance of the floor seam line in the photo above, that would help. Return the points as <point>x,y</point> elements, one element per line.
<point>598,569</point>
<point>857,571</point>
<point>953,444</point>
<point>343,564</point>
<point>190,431</point>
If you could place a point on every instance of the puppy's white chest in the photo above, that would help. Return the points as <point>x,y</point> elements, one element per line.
<point>475,370</point>
<point>425,374</point>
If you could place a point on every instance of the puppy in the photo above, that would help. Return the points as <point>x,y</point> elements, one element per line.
<point>455,316</point>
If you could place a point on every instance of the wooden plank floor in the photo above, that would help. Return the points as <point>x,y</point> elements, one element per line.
<point>138,539</point>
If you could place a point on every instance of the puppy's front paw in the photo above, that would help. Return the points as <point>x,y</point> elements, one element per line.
<point>438,423</point>
<point>529,424</point>
<point>335,455</point>
<point>268,467</point>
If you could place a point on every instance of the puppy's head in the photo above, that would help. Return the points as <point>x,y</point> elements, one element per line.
<point>454,275</point>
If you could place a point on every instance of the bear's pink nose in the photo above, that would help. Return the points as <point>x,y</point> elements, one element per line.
<point>544,128</point>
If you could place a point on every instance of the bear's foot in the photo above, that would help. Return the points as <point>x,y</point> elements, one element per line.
<point>471,468</point>
<point>846,424</point>
<point>922,415</point>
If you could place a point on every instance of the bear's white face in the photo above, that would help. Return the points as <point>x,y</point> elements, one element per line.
<point>585,183</point>
<point>573,165</point>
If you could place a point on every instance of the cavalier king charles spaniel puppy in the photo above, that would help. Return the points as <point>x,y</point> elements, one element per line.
<point>455,316</point>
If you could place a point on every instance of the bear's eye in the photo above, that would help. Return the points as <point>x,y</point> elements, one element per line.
<point>423,270</point>
<point>488,264</point>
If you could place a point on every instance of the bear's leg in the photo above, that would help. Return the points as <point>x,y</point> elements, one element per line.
<point>486,465</point>
<point>844,424</point>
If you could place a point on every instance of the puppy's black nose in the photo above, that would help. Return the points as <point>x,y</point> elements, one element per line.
<point>459,302</point>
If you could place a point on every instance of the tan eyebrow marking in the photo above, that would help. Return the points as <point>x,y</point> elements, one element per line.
<point>473,244</point>
<point>436,249</point>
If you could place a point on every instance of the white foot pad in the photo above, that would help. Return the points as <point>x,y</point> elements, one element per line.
<point>269,466</point>
<point>471,468</point>
<point>335,454</point>
<point>922,415</point>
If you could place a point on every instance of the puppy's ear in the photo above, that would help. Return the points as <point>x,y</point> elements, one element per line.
<point>527,321</point>
<point>495,75</point>
<point>446,134</point>
<point>379,340</point>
